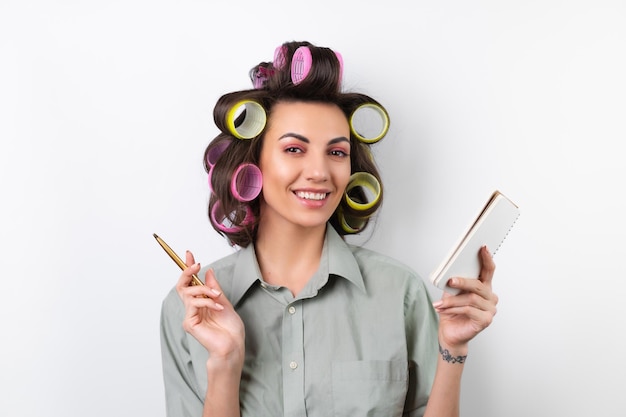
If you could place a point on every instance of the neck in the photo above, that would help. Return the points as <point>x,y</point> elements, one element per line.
<point>289,256</point>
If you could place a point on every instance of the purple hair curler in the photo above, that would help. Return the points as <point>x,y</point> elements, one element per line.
<point>210,176</point>
<point>279,57</point>
<point>213,155</point>
<point>247,182</point>
<point>302,61</point>
<point>224,222</point>
<point>216,151</point>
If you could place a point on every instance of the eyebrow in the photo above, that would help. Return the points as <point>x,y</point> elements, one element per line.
<point>306,140</point>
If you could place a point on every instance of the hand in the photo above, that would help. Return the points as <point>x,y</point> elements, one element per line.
<point>463,316</point>
<point>209,316</point>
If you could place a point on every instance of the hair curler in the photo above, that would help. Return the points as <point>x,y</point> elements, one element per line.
<point>279,57</point>
<point>216,151</point>
<point>364,124</point>
<point>253,122</point>
<point>301,64</point>
<point>224,222</point>
<point>210,178</point>
<point>247,182</point>
<point>351,224</point>
<point>366,180</point>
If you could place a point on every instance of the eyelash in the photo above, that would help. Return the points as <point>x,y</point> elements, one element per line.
<point>333,152</point>
<point>342,153</point>
<point>293,149</point>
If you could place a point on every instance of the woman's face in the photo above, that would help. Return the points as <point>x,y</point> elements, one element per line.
<point>305,161</point>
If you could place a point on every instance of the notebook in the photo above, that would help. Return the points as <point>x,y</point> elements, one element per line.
<point>490,228</point>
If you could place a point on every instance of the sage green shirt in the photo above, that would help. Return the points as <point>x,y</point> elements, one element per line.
<point>359,340</point>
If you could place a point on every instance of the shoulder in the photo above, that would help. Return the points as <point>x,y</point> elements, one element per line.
<point>223,269</point>
<point>225,264</point>
<point>369,259</point>
<point>381,269</point>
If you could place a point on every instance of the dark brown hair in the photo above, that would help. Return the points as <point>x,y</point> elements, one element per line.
<point>322,84</point>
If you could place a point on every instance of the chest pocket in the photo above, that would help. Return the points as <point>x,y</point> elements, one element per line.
<point>369,388</point>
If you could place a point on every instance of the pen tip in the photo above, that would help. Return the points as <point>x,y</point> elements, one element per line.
<point>155,235</point>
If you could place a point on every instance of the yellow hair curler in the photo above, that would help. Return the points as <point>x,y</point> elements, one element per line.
<point>253,122</point>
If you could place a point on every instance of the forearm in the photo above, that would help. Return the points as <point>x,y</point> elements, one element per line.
<point>445,395</point>
<point>222,395</point>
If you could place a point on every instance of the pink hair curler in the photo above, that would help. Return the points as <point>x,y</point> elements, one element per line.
<point>224,222</point>
<point>279,57</point>
<point>302,61</point>
<point>213,155</point>
<point>340,59</point>
<point>261,76</point>
<point>216,151</point>
<point>247,182</point>
<point>210,176</point>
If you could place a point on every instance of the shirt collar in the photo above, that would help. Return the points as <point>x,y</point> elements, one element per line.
<point>246,273</point>
<point>337,258</point>
<point>341,261</point>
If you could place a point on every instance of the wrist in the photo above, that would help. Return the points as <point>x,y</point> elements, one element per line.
<point>453,355</point>
<point>224,363</point>
<point>217,369</point>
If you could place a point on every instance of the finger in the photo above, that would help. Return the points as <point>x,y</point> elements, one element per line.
<point>201,291</point>
<point>488,266</point>
<point>194,303</point>
<point>469,285</point>
<point>474,293</point>
<point>213,284</point>
<point>197,299</point>
<point>186,277</point>
<point>468,300</point>
<point>478,320</point>
<point>189,259</point>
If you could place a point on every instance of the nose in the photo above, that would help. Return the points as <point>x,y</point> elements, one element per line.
<point>316,168</point>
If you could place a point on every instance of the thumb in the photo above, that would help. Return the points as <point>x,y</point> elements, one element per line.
<point>211,282</point>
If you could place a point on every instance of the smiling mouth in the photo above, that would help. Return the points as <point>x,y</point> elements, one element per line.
<point>311,196</point>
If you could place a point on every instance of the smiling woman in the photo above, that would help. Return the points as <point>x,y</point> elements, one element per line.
<point>297,321</point>
<point>305,162</point>
<point>246,117</point>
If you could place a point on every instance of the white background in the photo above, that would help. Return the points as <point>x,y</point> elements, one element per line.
<point>105,110</point>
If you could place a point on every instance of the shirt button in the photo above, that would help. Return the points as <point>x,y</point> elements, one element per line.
<point>293,365</point>
<point>292,310</point>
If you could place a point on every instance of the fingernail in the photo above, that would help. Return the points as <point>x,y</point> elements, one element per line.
<point>219,306</point>
<point>437,304</point>
<point>216,292</point>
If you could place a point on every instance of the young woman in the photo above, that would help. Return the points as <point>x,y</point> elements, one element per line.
<point>297,322</point>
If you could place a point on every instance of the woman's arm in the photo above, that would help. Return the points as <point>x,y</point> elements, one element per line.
<point>461,318</point>
<point>212,320</point>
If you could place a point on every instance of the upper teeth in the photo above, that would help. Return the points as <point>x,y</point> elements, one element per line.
<point>311,196</point>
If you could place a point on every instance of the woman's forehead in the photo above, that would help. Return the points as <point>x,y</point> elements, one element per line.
<point>308,116</point>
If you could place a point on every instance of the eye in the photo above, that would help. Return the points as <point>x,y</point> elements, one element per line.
<point>293,149</point>
<point>339,152</point>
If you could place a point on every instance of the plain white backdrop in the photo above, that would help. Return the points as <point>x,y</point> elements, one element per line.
<point>105,110</point>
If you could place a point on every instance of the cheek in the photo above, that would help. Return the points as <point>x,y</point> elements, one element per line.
<point>276,172</point>
<point>342,178</point>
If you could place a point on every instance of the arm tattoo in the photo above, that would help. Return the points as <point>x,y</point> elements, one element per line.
<point>445,354</point>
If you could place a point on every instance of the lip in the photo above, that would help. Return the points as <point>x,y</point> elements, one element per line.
<point>312,202</point>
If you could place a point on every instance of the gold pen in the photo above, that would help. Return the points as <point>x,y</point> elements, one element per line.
<point>194,278</point>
